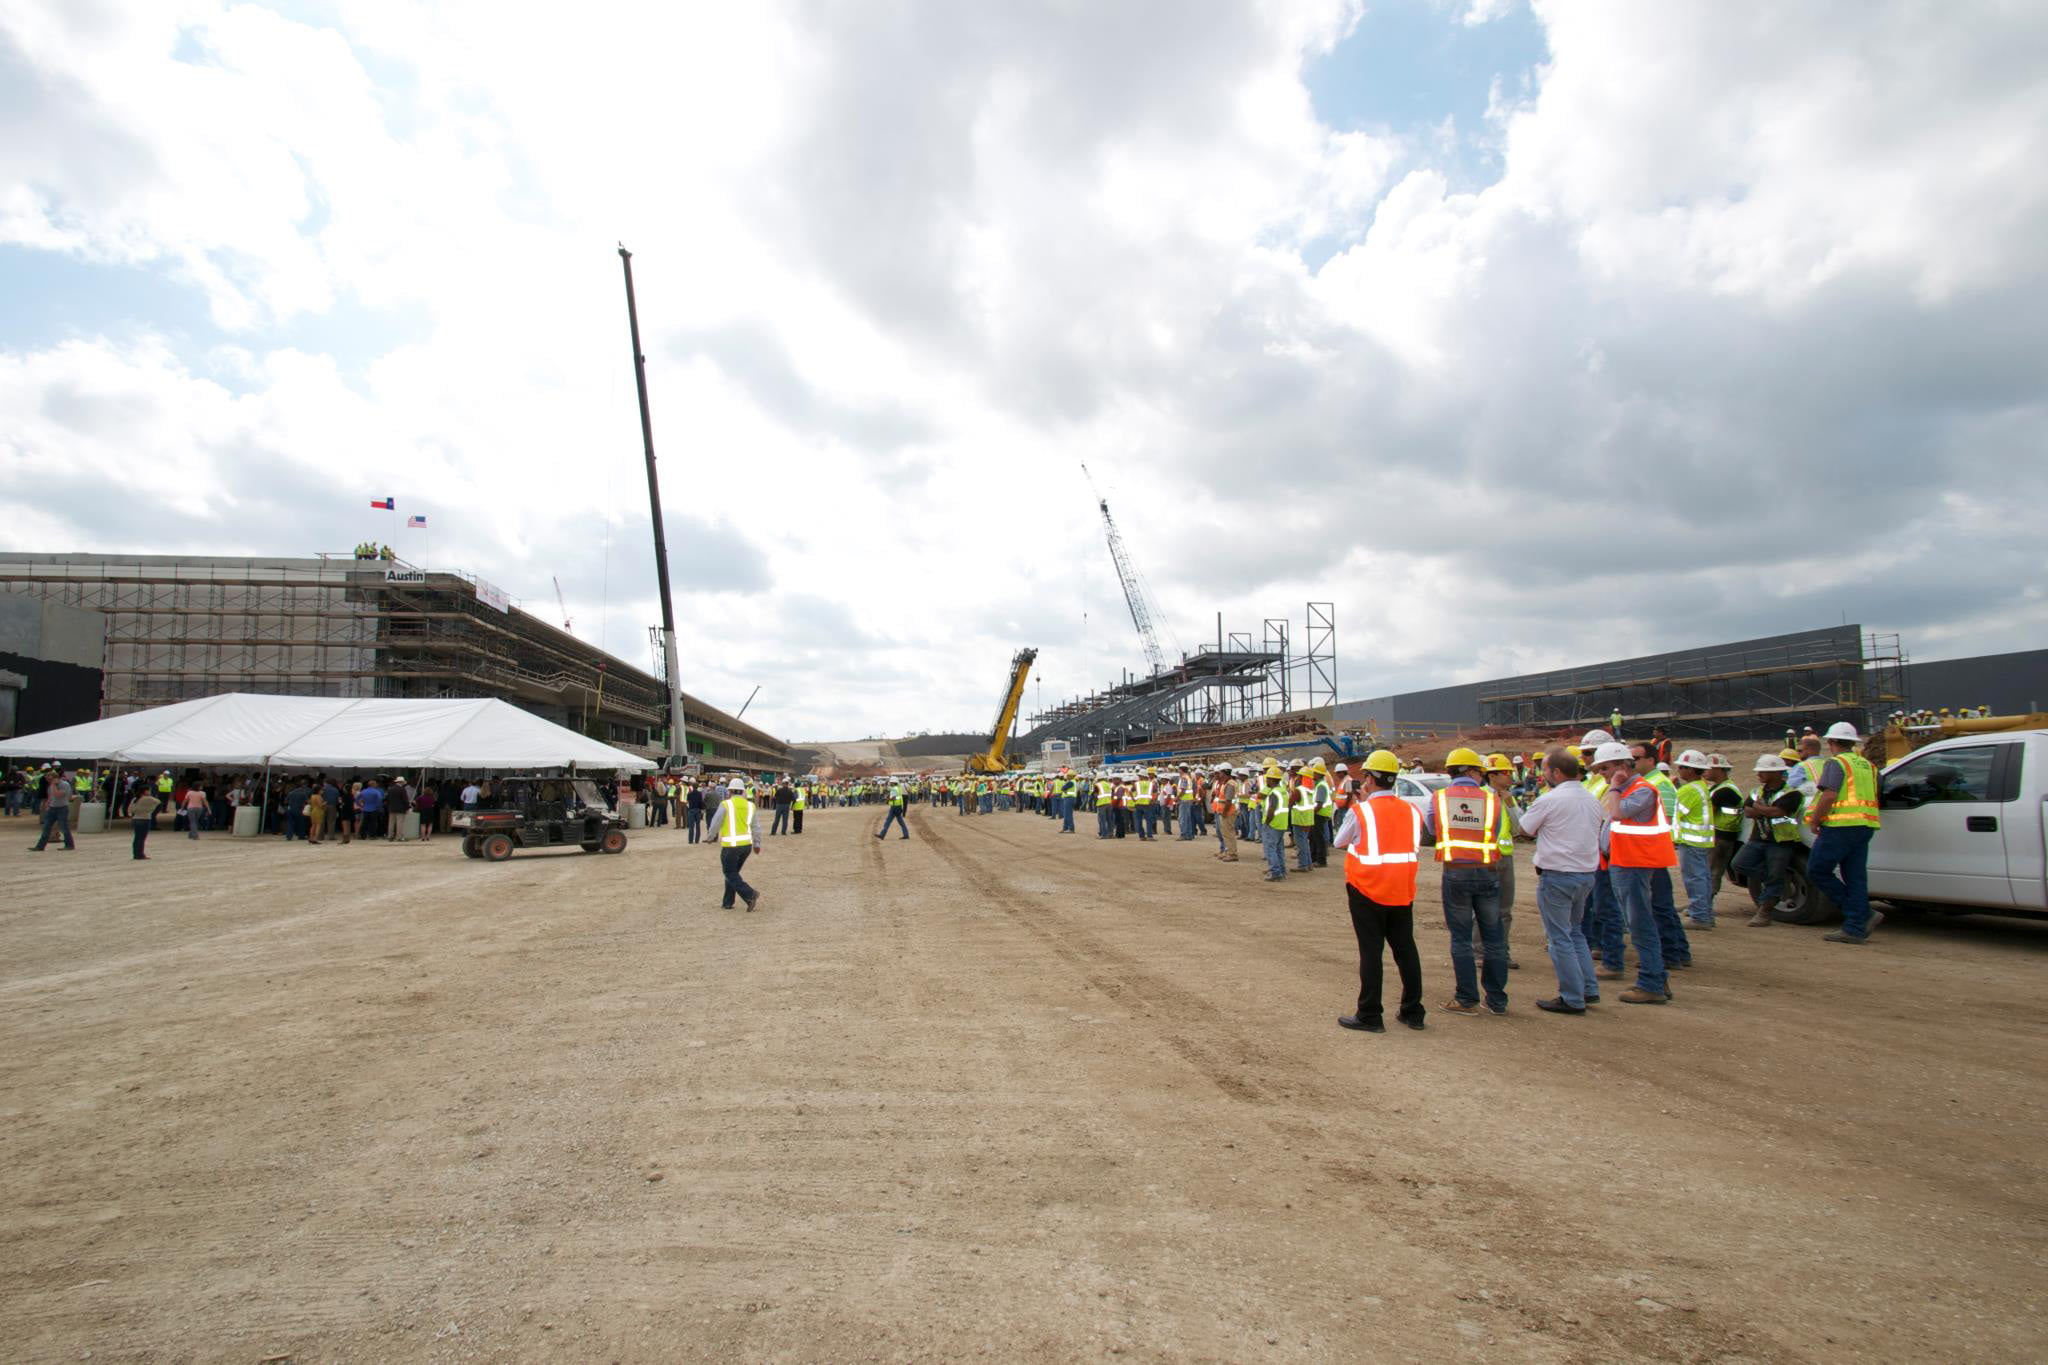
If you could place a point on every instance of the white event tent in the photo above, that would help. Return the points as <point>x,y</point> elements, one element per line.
<point>245,729</point>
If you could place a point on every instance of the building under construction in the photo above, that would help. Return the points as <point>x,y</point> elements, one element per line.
<point>178,628</point>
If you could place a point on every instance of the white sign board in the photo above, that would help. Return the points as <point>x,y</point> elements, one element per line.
<point>492,596</point>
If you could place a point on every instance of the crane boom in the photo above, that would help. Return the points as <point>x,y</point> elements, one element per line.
<point>995,760</point>
<point>1127,575</point>
<point>562,602</point>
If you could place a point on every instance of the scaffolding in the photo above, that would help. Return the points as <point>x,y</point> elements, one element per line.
<point>1319,658</point>
<point>1748,690</point>
<point>180,628</point>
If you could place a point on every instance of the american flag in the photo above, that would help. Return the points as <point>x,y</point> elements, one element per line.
<point>415,521</point>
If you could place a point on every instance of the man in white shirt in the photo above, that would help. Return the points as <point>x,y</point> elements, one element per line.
<point>1567,821</point>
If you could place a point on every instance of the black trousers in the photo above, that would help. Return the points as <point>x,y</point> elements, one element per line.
<point>798,816</point>
<point>730,861</point>
<point>1381,927</point>
<point>142,829</point>
<point>1318,846</point>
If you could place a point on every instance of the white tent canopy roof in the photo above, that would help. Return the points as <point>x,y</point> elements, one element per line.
<point>249,729</point>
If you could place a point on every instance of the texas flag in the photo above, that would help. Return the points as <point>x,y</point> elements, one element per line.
<point>386,503</point>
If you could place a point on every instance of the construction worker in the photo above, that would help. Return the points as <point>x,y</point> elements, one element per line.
<point>1566,822</point>
<point>1143,795</point>
<point>1604,923</point>
<point>1614,721</point>
<point>1806,764</point>
<point>1104,816</point>
<point>1660,746</point>
<point>1500,775</point>
<point>1301,814</point>
<point>1070,791</point>
<point>898,800</point>
<point>1773,812</point>
<point>1843,814</point>
<point>1223,805</point>
<point>1464,825</point>
<point>796,808</point>
<point>1275,819</point>
<point>1639,842</point>
<point>1663,894</point>
<point>1382,838</point>
<point>1325,807</point>
<point>735,843</point>
<point>1692,830</point>
<point>1724,799</point>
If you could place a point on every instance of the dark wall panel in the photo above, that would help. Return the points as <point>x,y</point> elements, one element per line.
<point>2010,684</point>
<point>56,695</point>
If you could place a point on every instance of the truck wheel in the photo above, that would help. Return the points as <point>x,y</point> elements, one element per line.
<point>591,846</point>
<point>614,841</point>
<point>497,847</point>
<point>472,848</point>
<point>1801,903</point>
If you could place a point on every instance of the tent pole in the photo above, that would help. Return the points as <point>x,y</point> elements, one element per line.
<point>263,811</point>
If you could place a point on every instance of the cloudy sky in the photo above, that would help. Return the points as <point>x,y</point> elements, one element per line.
<point>1529,334</point>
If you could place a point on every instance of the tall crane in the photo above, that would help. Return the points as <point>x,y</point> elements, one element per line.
<point>561,602</point>
<point>1127,574</point>
<point>994,760</point>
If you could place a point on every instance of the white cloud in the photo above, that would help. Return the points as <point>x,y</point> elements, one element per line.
<point>1749,284</point>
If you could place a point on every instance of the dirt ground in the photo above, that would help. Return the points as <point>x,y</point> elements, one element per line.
<point>991,1092</point>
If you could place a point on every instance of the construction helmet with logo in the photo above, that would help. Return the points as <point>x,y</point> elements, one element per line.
<point>1382,761</point>
<point>1718,760</point>
<point>1844,732</point>
<point>1498,763</point>
<point>1536,759</point>
<point>1769,763</point>
<point>1463,758</point>
<point>1789,755</point>
<point>1693,758</point>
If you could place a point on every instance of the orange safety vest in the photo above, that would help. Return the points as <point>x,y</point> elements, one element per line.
<point>1467,825</point>
<point>1645,844</point>
<point>1381,865</point>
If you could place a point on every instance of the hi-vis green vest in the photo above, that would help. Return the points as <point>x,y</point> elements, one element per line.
<point>1727,821</point>
<point>1278,810</point>
<point>1104,794</point>
<point>1666,792</point>
<point>1856,803</point>
<point>1326,800</point>
<point>1143,788</point>
<point>798,804</point>
<point>1301,803</point>
<point>896,795</point>
<point>1693,827</point>
<point>1782,829</point>
<point>736,823</point>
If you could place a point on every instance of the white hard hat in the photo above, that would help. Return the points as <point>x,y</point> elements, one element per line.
<point>1769,763</point>
<point>1718,761</point>
<point>736,785</point>
<point>1844,731</point>
<point>1693,758</point>
<point>1595,738</point>
<point>1343,767</point>
<point>1610,752</point>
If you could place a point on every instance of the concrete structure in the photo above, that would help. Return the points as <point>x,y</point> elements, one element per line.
<point>179,627</point>
<point>50,663</point>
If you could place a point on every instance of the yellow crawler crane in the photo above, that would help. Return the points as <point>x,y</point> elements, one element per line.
<point>1901,738</point>
<point>994,760</point>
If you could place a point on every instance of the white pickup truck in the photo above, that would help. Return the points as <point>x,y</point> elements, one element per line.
<point>1966,826</point>
<point>1965,832</point>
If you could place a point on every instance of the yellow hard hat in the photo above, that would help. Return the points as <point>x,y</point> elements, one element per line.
<point>1382,761</point>
<point>1789,755</point>
<point>1498,763</point>
<point>1464,758</point>
<point>1537,757</point>
<point>1574,750</point>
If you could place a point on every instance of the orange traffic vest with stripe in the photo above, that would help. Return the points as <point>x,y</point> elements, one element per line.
<point>1856,802</point>
<point>1467,825</point>
<point>1382,865</point>
<point>1644,843</point>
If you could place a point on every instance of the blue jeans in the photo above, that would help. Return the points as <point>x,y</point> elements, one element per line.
<point>1066,814</point>
<point>696,823</point>
<point>1604,922</point>
<point>1472,894</point>
<point>781,825</point>
<point>1187,819</point>
<point>1304,856</point>
<point>988,803</point>
<point>1763,867</point>
<point>896,815</point>
<point>1102,821</point>
<point>1664,910</point>
<point>1561,898</point>
<point>1632,892</point>
<point>1847,848</point>
<point>1696,870</point>
<point>57,816</point>
<point>1271,839</point>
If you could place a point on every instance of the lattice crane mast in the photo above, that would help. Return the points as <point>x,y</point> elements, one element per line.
<point>1127,574</point>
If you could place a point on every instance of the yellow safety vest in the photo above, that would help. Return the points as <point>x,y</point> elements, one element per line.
<point>1278,810</point>
<point>1693,828</point>
<point>737,831</point>
<point>1727,821</point>
<point>1143,788</point>
<point>1782,829</point>
<point>1856,803</point>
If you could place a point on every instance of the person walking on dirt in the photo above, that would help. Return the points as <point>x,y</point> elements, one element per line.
<point>1380,838</point>
<point>1223,805</point>
<point>57,794</point>
<point>735,843</point>
<point>1566,822</point>
<point>895,815</point>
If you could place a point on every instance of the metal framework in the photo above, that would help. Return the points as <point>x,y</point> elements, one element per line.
<point>1738,691</point>
<point>180,628</point>
<point>1319,660</point>
<point>1278,695</point>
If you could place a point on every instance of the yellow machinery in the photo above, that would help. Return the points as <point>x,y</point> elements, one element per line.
<point>994,760</point>
<point>1900,739</point>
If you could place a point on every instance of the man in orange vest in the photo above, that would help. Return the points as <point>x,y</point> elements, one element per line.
<point>1464,824</point>
<point>1383,836</point>
<point>1638,843</point>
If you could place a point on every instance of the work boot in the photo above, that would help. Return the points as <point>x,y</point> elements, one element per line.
<point>1762,918</point>
<point>1636,995</point>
